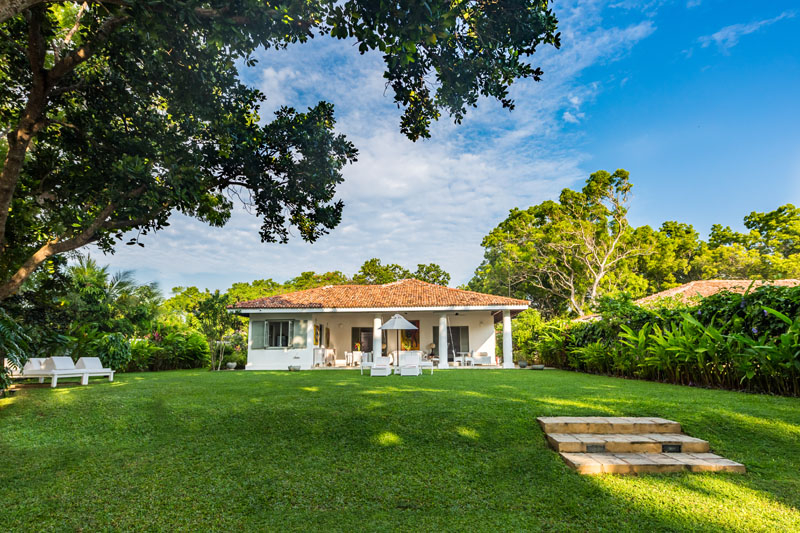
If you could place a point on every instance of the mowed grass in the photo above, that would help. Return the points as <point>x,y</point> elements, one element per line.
<point>336,451</point>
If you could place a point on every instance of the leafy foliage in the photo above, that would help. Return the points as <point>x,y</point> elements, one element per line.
<point>14,347</point>
<point>565,255</point>
<point>728,340</point>
<point>136,109</point>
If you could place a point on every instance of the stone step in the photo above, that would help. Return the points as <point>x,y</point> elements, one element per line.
<point>607,424</point>
<point>656,463</point>
<point>626,443</point>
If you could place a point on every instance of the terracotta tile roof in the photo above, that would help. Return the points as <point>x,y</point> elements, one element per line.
<point>685,293</point>
<point>688,291</point>
<point>403,293</point>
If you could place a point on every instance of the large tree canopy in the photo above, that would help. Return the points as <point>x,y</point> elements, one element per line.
<point>118,113</point>
<point>562,254</point>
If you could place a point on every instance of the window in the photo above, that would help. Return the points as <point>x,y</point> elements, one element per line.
<point>278,334</point>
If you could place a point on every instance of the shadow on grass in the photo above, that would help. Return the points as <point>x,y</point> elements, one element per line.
<point>448,451</point>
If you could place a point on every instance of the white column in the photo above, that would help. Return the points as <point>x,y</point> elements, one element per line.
<point>508,356</point>
<point>377,338</point>
<point>443,341</point>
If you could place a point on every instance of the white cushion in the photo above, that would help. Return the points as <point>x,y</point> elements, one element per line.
<point>89,363</point>
<point>59,363</point>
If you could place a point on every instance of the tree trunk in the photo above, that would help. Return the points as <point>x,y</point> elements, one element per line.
<point>12,8</point>
<point>19,139</point>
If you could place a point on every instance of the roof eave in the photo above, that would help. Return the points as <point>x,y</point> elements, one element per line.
<point>452,308</point>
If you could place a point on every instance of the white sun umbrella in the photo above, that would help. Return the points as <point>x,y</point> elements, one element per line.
<point>397,322</point>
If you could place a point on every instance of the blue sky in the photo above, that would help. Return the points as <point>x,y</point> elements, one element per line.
<point>698,99</point>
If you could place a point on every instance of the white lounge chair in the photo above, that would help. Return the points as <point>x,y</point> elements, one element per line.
<point>63,367</point>
<point>409,364</point>
<point>94,367</point>
<point>33,368</point>
<point>381,367</point>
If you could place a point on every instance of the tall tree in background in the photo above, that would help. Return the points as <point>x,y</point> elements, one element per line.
<point>561,254</point>
<point>373,272</point>
<point>118,113</point>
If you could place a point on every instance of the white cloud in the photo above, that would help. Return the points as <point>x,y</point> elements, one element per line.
<point>693,3</point>
<point>728,37</point>
<point>409,203</point>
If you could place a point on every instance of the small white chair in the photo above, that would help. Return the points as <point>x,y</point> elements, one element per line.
<point>356,358</point>
<point>366,361</point>
<point>94,367</point>
<point>381,367</point>
<point>319,356</point>
<point>63,367</point>
<point>409,364</point>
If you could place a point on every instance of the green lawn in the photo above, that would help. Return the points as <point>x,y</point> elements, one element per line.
<point>333,450</point>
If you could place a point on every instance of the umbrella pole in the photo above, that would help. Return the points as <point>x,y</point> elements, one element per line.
<point>397,360</point>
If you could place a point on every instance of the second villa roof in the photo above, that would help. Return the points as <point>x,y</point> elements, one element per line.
<point>403,294</point>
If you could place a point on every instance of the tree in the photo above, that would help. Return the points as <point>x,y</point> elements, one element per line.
<point>119,113</point>
<point>564,254</point>
<point>771,249</point>
<point>431,273</point>
<point>215,322</point>
<point>676,246</point>
<point>373,272</point>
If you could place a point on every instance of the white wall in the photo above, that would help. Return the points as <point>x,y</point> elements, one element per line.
<point>480,323</point>
<point>281,358</point>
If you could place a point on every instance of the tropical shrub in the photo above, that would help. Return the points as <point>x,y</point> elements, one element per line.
<point>14,346</point>
<point>733,341</point>
<point>114,350</point>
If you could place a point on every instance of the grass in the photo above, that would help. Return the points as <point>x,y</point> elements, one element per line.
<point>335,451</point>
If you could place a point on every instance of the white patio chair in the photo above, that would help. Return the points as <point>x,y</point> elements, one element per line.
<point>425,362</point>
<point>409,364</point>
<point>94,367</point>
<point>319,356</point>
<point>63,367</point>
<point>366,361</point>
<point>356,358</point>
<point>381,367</point>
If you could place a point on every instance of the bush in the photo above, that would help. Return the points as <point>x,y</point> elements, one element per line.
<point>169,347</point>
<point>114,350</point>
<point>727,340</point>
<point>142,354</point>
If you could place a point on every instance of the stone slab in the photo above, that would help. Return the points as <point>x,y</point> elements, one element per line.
<point>625,442</point>
<point>607,424</point>
<point>640,463</point>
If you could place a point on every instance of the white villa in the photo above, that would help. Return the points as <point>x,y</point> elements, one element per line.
<point>327,325</point>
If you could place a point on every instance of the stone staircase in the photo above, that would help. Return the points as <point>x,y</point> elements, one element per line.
<point>622,445</point>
